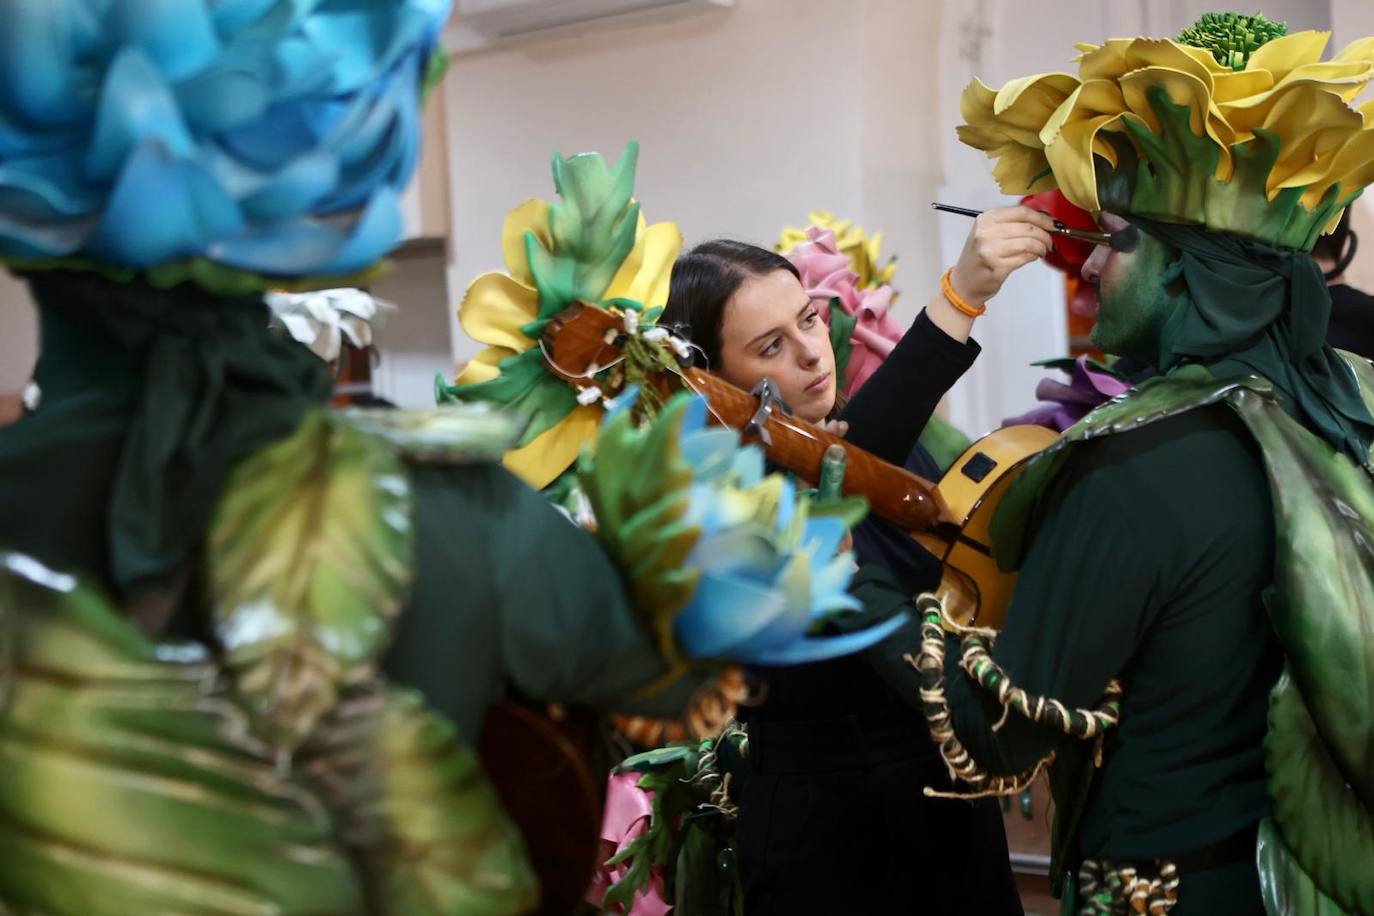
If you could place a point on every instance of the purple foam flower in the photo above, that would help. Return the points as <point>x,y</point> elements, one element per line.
<point>1090,384</point>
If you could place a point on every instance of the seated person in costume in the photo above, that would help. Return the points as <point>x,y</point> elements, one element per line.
<point>1189,645</point>
<point>828,819</point>
<point>1352,310</point>
<point>246,640</point>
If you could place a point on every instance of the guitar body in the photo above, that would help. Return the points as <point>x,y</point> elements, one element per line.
<point>973,590</point>
<point>546,767</point>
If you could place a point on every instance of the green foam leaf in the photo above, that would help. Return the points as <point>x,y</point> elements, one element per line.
<point>841,338</point>
<point>637,484</point>
<point>310,555</point>
<point>132,783</point>
<point>525,388</point>
<point>592,230</point>
<point>1327,833</point>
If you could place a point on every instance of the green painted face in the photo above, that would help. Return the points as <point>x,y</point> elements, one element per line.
<point>1134,303</point>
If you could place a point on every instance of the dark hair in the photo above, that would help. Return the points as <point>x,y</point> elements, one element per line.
<point>1338,247</point>
<point>704,279</point>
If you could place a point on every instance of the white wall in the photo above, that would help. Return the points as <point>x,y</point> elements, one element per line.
<point>18,335</point>
<point>1352,19</point>
<point>746,119</point>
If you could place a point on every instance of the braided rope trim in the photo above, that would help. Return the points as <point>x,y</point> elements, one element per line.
<point>1090,724</point>
<point>1106,889</point>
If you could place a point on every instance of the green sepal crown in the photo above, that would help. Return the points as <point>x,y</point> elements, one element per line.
<point>1172,179</point>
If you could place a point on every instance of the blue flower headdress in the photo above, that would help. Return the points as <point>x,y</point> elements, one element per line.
<point>237,143</point>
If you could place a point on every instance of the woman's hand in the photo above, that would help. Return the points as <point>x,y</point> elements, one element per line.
<point>1000,241</point>
<point>835,427</point>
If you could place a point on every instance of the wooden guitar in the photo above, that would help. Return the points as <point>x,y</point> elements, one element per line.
<point>950,519</point>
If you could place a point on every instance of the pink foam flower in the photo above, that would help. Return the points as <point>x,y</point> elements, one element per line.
<point>827,276</point>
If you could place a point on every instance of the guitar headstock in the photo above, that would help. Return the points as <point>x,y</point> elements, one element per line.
<point>581,340</point>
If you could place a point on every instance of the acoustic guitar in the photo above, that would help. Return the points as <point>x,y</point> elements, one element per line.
<point>950,518</point>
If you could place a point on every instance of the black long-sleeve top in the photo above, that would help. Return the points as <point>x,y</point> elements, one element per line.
<point>885,417</point>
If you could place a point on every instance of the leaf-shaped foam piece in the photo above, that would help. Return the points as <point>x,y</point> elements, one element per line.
<point>132,782</point>
<point>310,556</point>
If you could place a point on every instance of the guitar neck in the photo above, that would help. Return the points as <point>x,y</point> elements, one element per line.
<point>893,493</point>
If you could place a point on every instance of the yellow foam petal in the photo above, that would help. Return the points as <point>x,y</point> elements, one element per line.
<point>1314,126</point>
<point>1361,49</point>
<point>1071,157</point>
<point>495,307</point>
<point>645,275</point>
<point>1240,84</point>
<point>1105,61</point>
<point>484,366</point>
<point>555,449</point>
<point>531,216</point>
<point>1285,54</point>
<point>1165,54</point>
<point>1022,107</point>
<point>1352,168</point>
<point>1020,169</point>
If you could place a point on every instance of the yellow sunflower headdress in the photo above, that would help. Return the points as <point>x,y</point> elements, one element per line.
<point>1234,126</point>
<point>592,247</point>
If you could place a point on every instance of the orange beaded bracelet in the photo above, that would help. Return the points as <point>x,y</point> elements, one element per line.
<point>954,300</point>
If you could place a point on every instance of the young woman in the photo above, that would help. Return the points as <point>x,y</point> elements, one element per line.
<point>832,817</point>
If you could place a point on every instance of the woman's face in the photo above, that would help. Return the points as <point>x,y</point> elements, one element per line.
<point>770,328</point>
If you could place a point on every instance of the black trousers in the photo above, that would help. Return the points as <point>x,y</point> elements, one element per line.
<point>833,821</point>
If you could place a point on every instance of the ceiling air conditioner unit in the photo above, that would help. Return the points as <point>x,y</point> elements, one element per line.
<point>482,24</point>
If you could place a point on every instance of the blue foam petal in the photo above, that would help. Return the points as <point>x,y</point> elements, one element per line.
<point>163,207</point>
<point>723,613</point>
<point>821,648</point>
<point>136,105</point>
<point>822,537</point>
<point>37,79</point>
<point>294,189</point>
<point>316,246</point>
<point>231,17</point>
<point>178,36</point>
<point>47,179</point>
<point>234,90</point>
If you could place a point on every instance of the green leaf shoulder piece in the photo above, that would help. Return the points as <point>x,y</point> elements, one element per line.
<point>453,435</point>
<point>132,781</point>
<point>1320,743</point>
<point>426,825</point>
<point>1182,390</point>
<point>310,559</point>
<point>1321,839</point>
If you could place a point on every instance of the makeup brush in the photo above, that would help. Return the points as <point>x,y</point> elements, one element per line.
<point>1117,241</point>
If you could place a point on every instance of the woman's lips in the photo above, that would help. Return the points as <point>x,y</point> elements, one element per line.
<point>819,383</point>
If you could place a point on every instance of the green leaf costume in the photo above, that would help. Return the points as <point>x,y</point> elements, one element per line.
<point>1165,135</point>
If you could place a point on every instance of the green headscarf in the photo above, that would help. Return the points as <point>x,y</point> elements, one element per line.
<point>1252,308</point>
<point>205,383</point>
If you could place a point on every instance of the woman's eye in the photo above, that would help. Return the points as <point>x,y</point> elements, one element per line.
<point>773,347</point>
<point>809,321</point>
